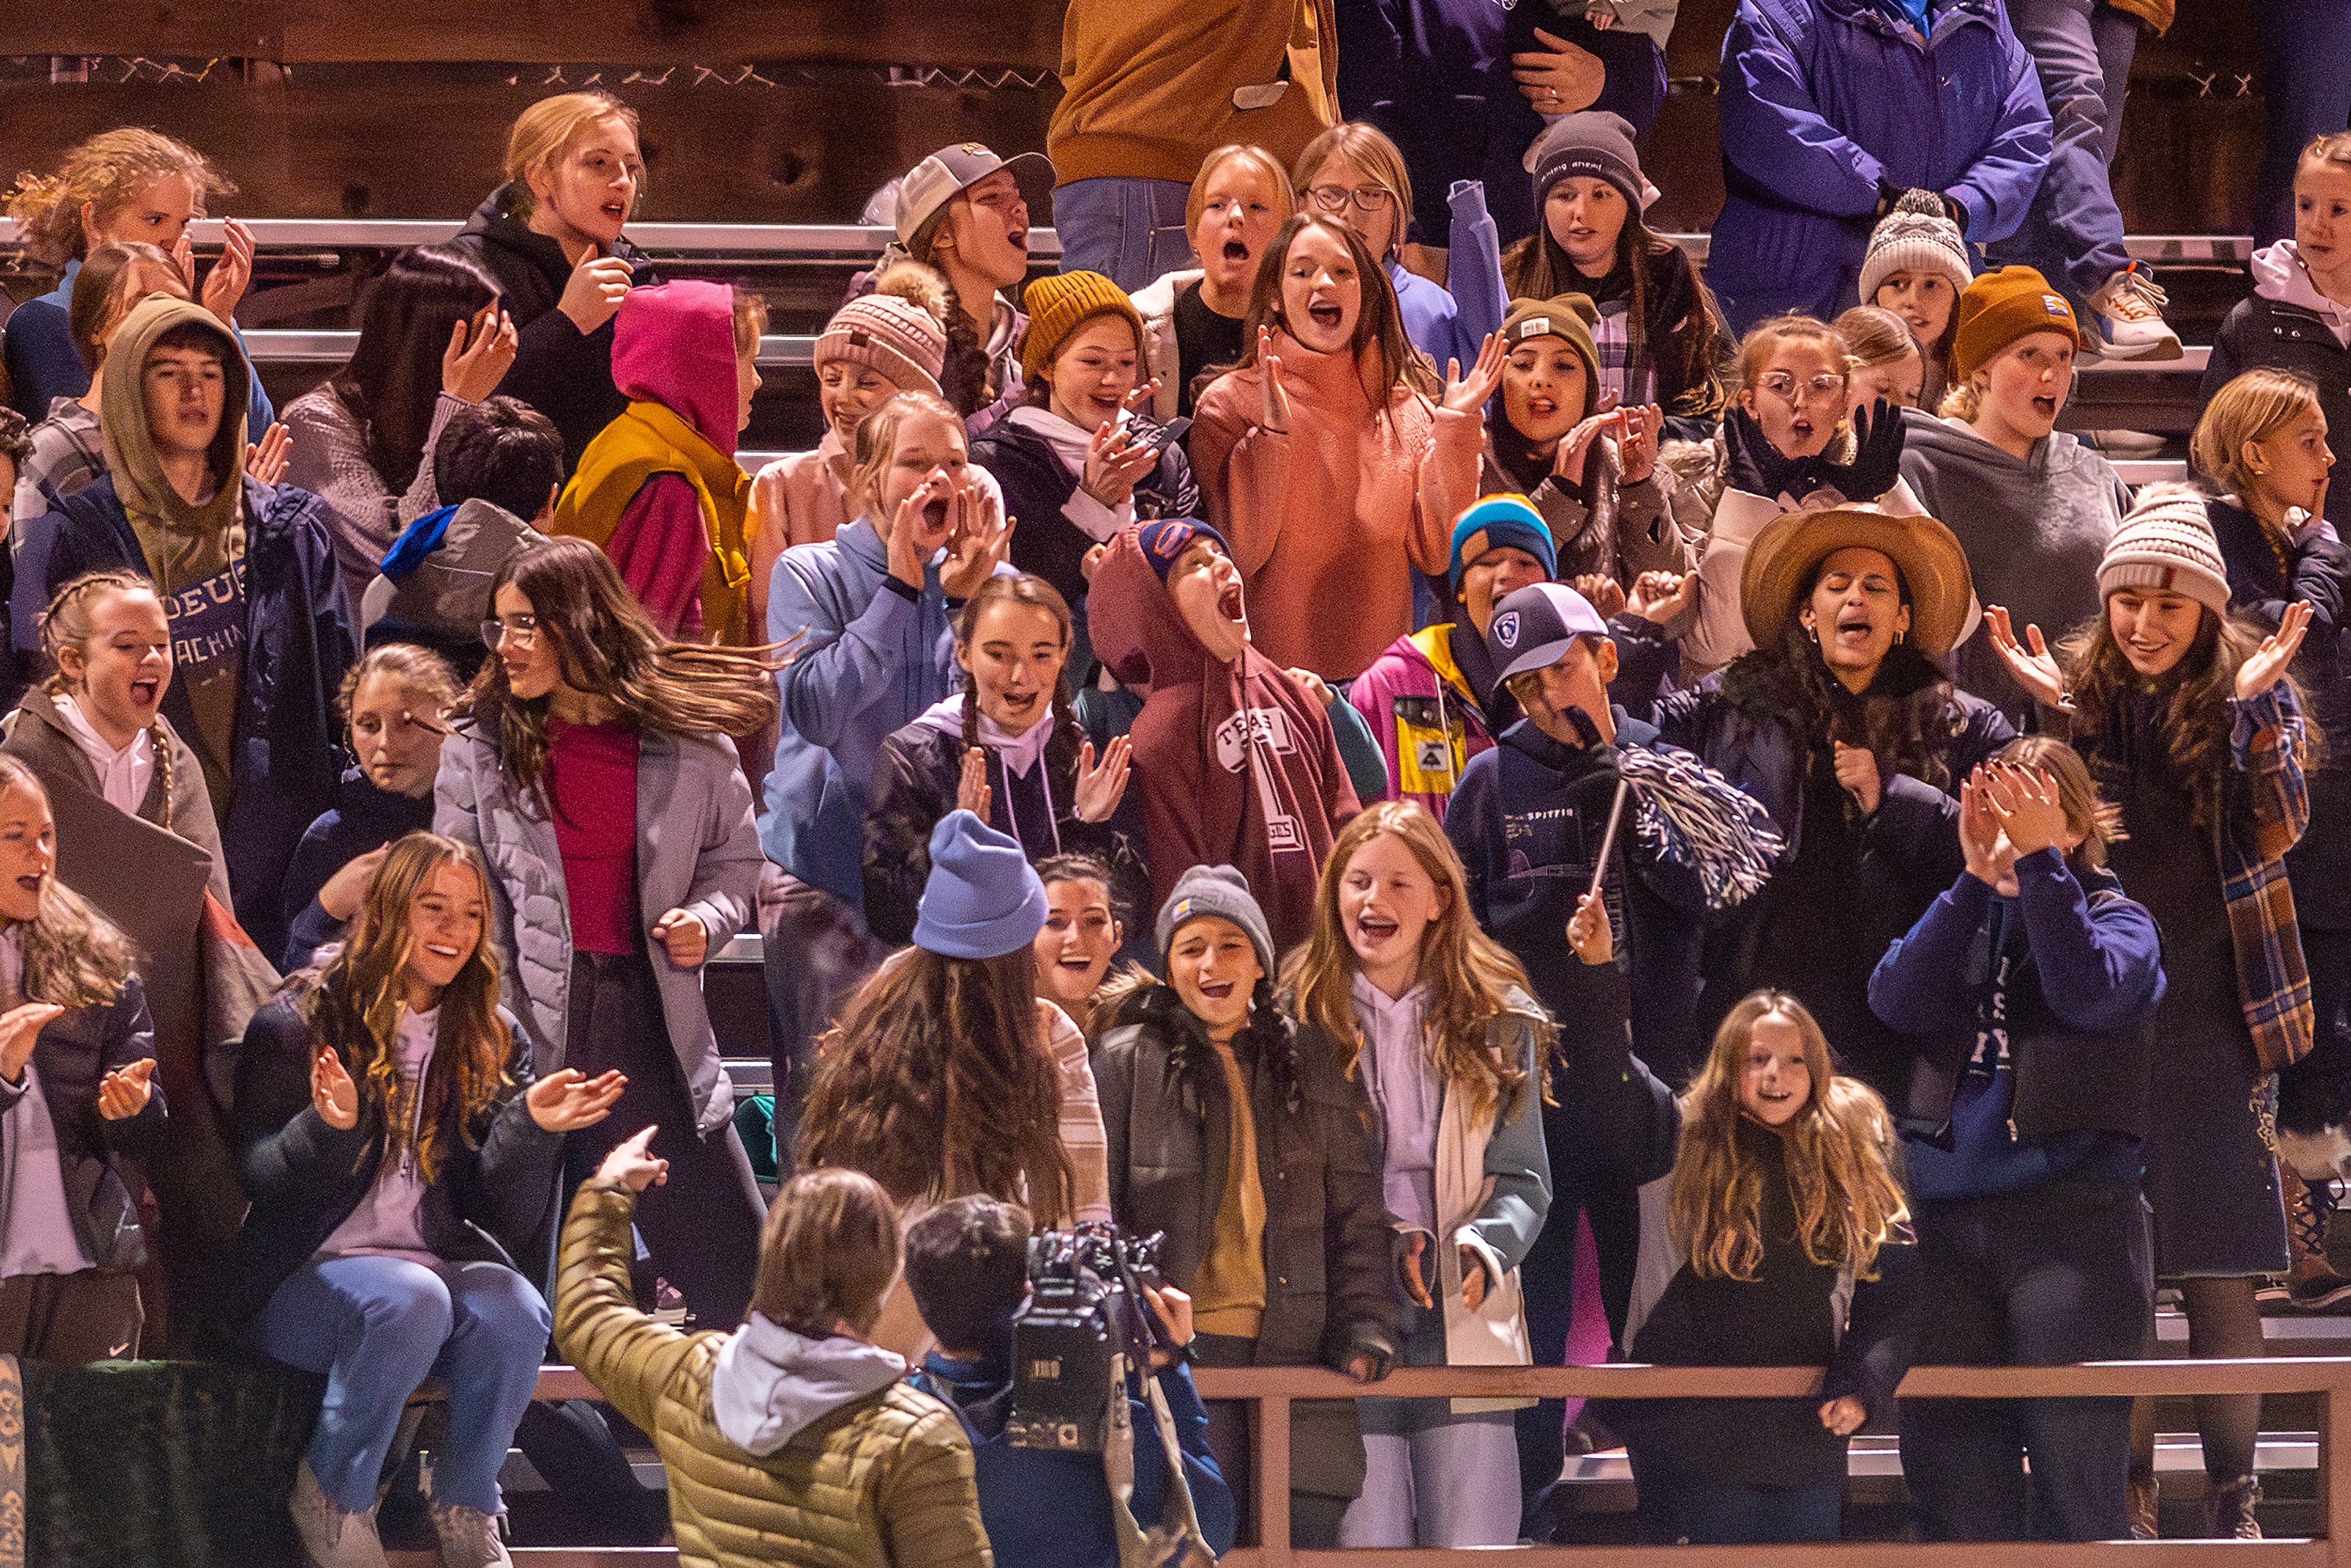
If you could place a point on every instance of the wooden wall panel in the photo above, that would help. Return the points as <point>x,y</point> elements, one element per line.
<point>1024,33</point>
<point>430,147</point>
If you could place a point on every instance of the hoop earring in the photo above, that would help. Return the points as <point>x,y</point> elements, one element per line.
<point>1814,633</point>
<point>1898,636</point>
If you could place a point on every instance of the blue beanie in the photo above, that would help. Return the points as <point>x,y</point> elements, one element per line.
<point>1165,539</point>
<point>983,899</point>
<point>1510,520</point>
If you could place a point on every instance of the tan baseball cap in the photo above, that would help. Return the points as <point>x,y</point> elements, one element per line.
<point>936,180</point>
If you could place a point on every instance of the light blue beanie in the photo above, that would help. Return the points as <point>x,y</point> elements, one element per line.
<point>983,899</point>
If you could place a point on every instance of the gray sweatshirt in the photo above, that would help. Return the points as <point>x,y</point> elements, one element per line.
<point>2034,531</point>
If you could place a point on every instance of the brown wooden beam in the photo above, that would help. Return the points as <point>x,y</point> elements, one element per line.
<point>1021,33</point>
<point>431,145</point>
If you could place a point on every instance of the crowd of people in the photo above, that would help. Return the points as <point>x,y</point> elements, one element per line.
<point>1606,807</point>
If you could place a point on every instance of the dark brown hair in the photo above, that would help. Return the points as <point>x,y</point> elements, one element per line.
<point>1061,751</point>
<point>605,646</point>
<point>938,1081</point>
<point>1379,325</point>
<point>828,1253</point>
<point>967,1267</point>
<point>99,305</point>
<point>391,383</point>
<point>1694,347</point>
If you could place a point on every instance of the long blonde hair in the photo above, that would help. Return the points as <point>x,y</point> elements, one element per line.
<point>1840,1169</point>
<point>2254,406</point>
<point>74,956</point>
<point>104,172</point>
<point>1469,976</point>
<point>876,443</point>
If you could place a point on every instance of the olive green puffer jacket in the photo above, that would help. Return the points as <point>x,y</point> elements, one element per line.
<point>884,1481</point>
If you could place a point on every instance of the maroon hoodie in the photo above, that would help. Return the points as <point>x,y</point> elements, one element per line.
<point>1235,762</point>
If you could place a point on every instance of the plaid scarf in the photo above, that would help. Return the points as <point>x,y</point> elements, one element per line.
<point>1612,340</point>
<point>2271,809</point>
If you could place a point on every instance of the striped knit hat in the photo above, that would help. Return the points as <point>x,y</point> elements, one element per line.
<point>2166,544</point>
<point>1918,236</point>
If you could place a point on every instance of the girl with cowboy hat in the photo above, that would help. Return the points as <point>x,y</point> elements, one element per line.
<point>1842,723</point>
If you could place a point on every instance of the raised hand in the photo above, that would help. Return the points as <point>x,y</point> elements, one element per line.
<point>1606,594</point>
<point>1273,412</point>
<point>685,938</point>
<point>332,1094</point>
<point>631,1163</point>
<point>1575,447</point>
<point>1588,932</point>
<point>226,283</point>
<point>480,348</point>
<point>19,1028</point>
<point>2266,665</point>
<point>264,460</point>
<point>1100,789</point>
<point>1636,443</point>
<point>124,1092</point>
<point>348,889</point>
<point>1980,830</point>
<point>1140,400</point>
<point>1856,771</point>
<point>1115,463</point>
<point>566,1100</point>
<point>2026,806</point>
<point>2030,662</point>
<point>593,295</point>
<point>1469,395</point>
<point>1316,686</point>
<point>1662,597</point>
<point>973,792</point>
<point>923,523</point>
<point>979,535</point>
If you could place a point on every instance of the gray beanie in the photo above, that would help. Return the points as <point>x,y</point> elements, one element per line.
<point>1593,143</point>
<point>1220,891</point>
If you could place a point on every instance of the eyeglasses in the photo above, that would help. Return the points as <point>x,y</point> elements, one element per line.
<point>522,630</point>
<point>1334,198</point>
<point>1789,390</point>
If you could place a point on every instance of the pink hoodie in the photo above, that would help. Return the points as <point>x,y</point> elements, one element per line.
<point>674,345</point>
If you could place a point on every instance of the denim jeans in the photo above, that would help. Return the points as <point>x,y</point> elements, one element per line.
<point>2072,233</point>
<point>1130,230</point>
<point>2306,81</point>
<point>377,1327</point>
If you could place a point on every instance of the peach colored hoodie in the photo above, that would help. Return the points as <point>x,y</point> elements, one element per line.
<point>1328,521</point>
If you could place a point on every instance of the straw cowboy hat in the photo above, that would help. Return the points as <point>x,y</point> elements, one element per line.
<point>1782,563</point>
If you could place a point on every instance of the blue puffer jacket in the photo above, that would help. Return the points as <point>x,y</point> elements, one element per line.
<point>1824,99</point>
<point>288,756</point>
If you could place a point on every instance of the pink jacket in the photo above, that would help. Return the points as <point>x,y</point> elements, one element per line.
<point>1328,520</point>
<point>801,499</point>
<point>1425,716</point>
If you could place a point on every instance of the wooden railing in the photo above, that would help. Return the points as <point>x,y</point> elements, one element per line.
<point>1273,1389</point>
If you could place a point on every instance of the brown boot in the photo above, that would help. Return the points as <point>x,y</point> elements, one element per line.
<point>2311,1283</point>
<point>2230,1508</point>
<point>2144,1500</point>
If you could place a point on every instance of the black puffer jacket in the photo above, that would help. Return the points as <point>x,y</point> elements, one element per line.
<point>1328,1293</point>
<point>491,1198</point>
<point>564,373</point>
<point>73,1054</point>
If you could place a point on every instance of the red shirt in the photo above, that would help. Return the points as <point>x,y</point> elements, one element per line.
<point>591,777</point>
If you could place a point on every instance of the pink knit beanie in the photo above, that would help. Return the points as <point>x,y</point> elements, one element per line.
<point>889,334</point>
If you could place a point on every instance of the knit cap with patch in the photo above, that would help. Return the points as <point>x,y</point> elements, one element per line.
<point>2165,545</point>
<point>1998,308</point>
<point>1918,236</point>
<point>1568,317</point>
<point>1220,891</point>
<point>1059,304</point>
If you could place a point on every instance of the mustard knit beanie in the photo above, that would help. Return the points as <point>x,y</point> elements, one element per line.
<point>1061,303</point>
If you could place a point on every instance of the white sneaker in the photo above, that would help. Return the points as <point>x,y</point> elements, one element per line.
<point>469,1538</point>
<point>2130,308</point>
<point>332,1535</point>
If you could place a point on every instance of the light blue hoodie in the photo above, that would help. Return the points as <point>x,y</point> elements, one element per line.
<point>770,1384</point>
<point>873,659</point>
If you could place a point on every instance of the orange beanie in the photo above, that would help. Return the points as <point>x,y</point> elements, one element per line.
<point>2000,307</point>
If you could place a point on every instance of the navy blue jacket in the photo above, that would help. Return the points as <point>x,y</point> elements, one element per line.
<point>1527,820</point>
<point>1825,101</point>
<point>363,817</point>
<point>288,750</point>
<point>2063,976</point>
<point>1053,1511</point>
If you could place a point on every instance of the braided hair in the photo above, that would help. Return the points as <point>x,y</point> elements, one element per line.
<point>72,621</point>
<point>1061,751</point>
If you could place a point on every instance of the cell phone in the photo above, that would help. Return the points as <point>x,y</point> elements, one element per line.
<point>1171,433</point>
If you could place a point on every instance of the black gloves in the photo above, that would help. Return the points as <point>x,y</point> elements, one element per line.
<point>1759,468</point>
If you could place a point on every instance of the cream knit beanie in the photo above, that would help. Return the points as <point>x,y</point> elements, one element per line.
<point>2166,544</point>
<point>1915,237</point>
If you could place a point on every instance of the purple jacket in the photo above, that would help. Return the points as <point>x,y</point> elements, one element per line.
<point>1822,99</point>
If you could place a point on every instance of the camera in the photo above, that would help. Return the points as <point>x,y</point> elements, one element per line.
<point>1085,1307</point>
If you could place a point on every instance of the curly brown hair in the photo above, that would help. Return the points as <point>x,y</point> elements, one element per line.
<point>1906,719</point>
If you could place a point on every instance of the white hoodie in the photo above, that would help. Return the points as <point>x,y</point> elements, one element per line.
<point>2279,275</point>
<point>771,1384</point>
